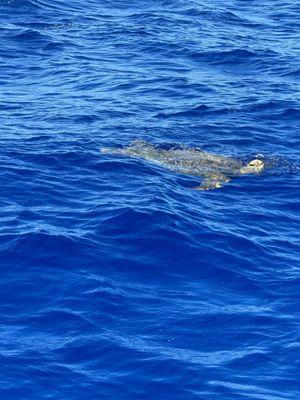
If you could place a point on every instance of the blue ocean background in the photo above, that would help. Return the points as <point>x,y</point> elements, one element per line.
<point>118,281</point>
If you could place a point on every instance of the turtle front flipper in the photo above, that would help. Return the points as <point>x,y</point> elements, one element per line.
<point>213,181</point>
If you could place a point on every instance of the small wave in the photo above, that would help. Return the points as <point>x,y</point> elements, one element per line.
<point>182,355</point>
<point>10,106</point>
<point>53,46</point>
<point>30,35</point>
<point>86,118</point>
<point>64,319</point>
<point>279,107</point>
<point>194,111</point>
<point>235,56</point>
<point>226,17</point>
<point>155,19</point>
<point>290,112</point>
<point>23,4</point>
<point>293,74</point>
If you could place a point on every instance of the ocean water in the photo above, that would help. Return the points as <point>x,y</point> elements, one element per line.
<point>118,281</point>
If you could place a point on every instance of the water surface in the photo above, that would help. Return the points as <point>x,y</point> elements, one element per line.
<point>117,280</point>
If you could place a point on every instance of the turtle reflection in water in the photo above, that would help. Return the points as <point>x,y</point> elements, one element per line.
<point>214,169</point>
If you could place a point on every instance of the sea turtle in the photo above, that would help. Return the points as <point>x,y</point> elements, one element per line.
<point>215,170</point>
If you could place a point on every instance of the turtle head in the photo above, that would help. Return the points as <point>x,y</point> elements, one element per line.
<point>253,167</point>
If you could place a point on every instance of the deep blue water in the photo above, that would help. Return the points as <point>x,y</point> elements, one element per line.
<point>117,280</point>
